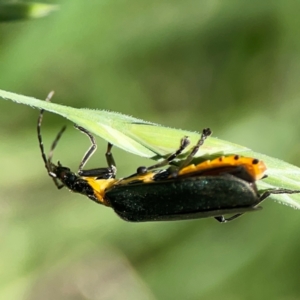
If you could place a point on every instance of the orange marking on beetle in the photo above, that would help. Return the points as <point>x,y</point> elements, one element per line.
<point>100,186</point>
<point>254,167</point>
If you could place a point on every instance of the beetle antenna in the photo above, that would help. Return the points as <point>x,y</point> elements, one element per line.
<point>46,160</point>
<point>54,144</point>
<point>39,134</point>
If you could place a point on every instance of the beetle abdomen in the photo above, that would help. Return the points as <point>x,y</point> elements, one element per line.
<point>178,199</point>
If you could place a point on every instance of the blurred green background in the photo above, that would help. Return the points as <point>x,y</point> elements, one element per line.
<point>233,66</point>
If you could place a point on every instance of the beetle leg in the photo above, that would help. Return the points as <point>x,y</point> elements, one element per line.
<point>88,154</point>
<point>104,173</point>
<point>184,142</point>
<point>173,170</point>
<point>222,219</point>
<point>206,132</point>
<point>270,192</point>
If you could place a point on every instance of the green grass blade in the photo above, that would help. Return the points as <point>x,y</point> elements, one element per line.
<point>154,141</point>
<point>131,134</point>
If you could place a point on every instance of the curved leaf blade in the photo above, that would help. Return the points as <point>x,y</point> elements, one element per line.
<point>155,141</point>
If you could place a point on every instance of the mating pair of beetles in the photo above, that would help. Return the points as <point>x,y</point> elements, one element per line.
<point>213,188</point>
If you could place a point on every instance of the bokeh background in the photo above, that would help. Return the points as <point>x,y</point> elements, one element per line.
<point>231,65</point>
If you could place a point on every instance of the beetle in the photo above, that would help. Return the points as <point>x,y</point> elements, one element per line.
<point>213,188</point>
